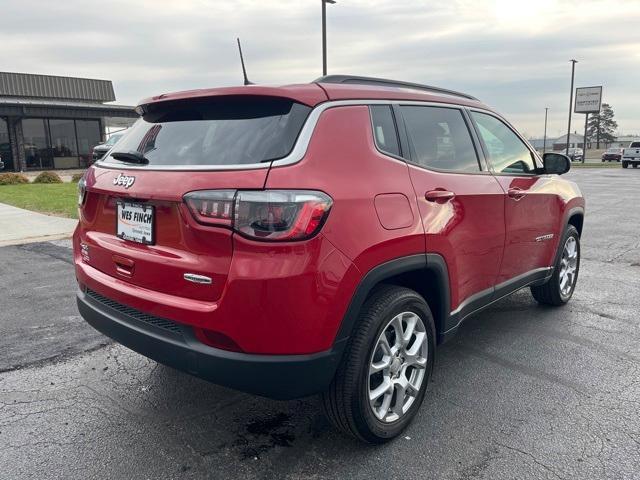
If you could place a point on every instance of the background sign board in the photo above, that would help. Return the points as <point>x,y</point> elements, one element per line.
<point>588,99</point>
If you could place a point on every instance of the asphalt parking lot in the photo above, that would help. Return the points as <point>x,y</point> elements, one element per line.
<point>522,392</point>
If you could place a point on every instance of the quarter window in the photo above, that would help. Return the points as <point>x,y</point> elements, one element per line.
<point>507,153</point>
<point>440,138</point>
<point>384,129</point>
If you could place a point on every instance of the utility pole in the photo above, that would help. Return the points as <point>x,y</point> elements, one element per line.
<point>324,34</point>
<point>544,141</point>
<point>573,71</point>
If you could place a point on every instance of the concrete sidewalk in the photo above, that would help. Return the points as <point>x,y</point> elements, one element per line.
<point>19,226</point>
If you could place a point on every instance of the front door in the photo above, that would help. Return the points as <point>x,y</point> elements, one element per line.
<point>461,203</point>
<point>532,209</point>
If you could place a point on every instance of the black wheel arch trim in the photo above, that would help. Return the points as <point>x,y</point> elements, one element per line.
<point>429,262</point>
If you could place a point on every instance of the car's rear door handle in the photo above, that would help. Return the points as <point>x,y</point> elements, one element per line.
<point>516,193</point>
<point>439,195</point>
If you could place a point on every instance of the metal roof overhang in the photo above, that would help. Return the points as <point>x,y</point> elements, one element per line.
<point>21,107</point>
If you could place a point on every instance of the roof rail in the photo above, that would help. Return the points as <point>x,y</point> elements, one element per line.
<point>383,82</point>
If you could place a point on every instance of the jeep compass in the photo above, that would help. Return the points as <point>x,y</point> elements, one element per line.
<point>321,238</point>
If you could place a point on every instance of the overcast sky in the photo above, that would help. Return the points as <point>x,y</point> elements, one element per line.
<point>512,54</point>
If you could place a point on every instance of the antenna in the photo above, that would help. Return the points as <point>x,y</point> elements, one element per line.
<point>244,70</point>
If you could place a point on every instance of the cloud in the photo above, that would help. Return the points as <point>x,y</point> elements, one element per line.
<point>513,54</point>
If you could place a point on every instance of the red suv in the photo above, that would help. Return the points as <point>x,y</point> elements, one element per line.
<point>319,238</point>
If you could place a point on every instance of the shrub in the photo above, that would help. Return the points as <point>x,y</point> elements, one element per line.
<point>12,179</point>
<point>76,177</point>
<point>48,177</point>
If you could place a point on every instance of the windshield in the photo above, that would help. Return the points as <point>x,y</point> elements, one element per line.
<point>113,139</point>
<point>233,131</point>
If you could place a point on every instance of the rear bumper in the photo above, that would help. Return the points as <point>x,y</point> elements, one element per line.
<point>275,376</point>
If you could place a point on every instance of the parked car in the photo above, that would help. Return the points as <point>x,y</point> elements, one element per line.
<point>612,154</point>
<point>319,238</point>
<point>1,164</point>
<point>100,150</point>
<point>575,154</point>
<point>631,155</point>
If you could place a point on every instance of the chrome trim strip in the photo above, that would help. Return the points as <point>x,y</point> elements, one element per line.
<point>192,277</point>
<point>299,149</point>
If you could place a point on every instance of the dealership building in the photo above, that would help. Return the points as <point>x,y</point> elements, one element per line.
<point>49,122</point>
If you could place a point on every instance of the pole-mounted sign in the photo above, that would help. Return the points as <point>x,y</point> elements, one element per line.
<point>588,99</point>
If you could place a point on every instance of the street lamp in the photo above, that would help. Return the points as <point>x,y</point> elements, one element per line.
<point>324,34</point>
<point>573,71</point>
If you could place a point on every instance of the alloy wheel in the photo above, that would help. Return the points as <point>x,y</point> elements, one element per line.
<point>568,266</point>
<point>397,367</point>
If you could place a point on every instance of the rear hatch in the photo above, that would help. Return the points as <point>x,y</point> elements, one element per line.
<point>135,225</point>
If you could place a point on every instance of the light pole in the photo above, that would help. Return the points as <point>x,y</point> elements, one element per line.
<point>573,71</point>
<point>324,34</point>
<point>544,141</point>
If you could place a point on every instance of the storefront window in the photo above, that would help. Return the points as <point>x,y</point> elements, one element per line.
<point>5,146</point>
<point>88,137</point>
<point>36,145</point>
<point>63,143</point>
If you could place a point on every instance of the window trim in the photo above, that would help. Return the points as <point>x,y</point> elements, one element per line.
<point>409,159</point>
<point>537,162</point>
<point>395,127</point>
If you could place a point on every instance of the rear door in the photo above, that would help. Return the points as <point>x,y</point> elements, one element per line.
<point>134,223</point>
<point>532,208</point>
<point>461,203</point>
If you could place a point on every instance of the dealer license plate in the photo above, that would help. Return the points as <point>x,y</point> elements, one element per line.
<point>135,222</point>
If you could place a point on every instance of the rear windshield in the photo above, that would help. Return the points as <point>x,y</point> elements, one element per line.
<point>237,131</point>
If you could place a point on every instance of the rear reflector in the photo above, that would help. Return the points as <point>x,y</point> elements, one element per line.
<point>216,340</point>
<point>267,215</point>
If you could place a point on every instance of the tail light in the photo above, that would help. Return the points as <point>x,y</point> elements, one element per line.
<point>268,215</point>
<point>82,191</point>
<point>212,207</point>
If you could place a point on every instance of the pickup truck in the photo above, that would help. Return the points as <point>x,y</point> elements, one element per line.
<point>631,155</point>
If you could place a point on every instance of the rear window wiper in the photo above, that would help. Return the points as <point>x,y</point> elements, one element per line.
<point>130,157</point>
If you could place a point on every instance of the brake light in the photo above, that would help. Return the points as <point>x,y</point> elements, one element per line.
<point>212,207</point>
<point>268,215</point>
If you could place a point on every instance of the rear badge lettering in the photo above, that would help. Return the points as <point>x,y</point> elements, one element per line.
<point>124,180</point>
<point>192,277</point>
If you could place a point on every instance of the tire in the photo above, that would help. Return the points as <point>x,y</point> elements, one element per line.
<point>625,164</point>
<point>635,165</point>
<point>554,291</point>
<point>347,403</point>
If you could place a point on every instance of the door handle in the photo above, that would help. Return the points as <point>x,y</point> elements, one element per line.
<point>516,193</point>
<point>438,195</point>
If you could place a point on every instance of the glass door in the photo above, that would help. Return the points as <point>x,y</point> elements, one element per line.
<point>5,146</point>
<point>37,153</point>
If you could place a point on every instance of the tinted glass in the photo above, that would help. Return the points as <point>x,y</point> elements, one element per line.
<point>63,143</point>
<point>440,138</point>
<point>229,132</point>
<point>5,145</point>
<point>507,153</point>
<point>36,146</point>
<point>384,129</point>
<point>88,137</point>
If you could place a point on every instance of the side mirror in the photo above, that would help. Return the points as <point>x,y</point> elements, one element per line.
<point>556,163</point>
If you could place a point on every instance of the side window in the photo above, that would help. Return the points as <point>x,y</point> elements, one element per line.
<point>507,153</point>
<point>384,129</point>
<point>440,138</point>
